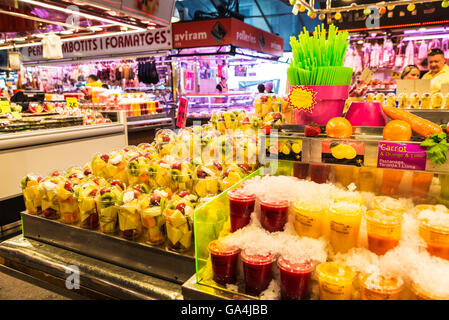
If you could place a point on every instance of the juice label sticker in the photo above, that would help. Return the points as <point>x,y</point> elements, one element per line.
<point>401,156</point>
<point>343,152</point>
<point>284,149</point>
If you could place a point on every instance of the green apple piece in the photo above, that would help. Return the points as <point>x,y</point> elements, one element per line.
<point>173,234</point>
<point>177,219</point>
<point>186,239</point>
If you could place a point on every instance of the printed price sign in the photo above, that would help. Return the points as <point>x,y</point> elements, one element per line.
<point>71,102</point>
<point>343,152</point>
<point>4,107</point>
<point>401,156</point>
<point>182,113</point>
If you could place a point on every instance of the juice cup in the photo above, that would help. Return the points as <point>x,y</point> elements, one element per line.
<point>421,184</point>
<point>224,262</point>
<point>378,287</point>
<point>273,214</point>
<point>344,222</point>
<point>444,182</point>
<point>436,235</point>
<point>384,231</point>
<point>257,271</point>
<point>391,180</point>
<point>308,219</point>
<point>294,279</point>
<point>418,293</point>
<point>335,281</point>
<point>319,172</point>
<point>241,205</point>
<point>345,175</point>
<point>388,205</point>
<point>367,179</point>
<point>301,170</point>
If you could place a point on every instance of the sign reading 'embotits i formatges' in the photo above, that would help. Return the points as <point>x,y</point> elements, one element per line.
<point>127,42</point>
<point>401,156</point>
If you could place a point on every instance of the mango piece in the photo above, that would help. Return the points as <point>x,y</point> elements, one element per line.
<point>177,219</point>
<point>186,239</point>
<point>173,234</point>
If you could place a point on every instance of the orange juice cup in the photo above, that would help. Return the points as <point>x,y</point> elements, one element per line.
<point>418,293</point>
<point>436,235</point>
<point>378,287</point>
<point>345,175</point>
<point>390,182</point>
<point>388,205</point>
<point>367,179</point>
<point>384,231</point>
<point>421,184</point>
<point>344,222</point>
<point>308,219</point>
<point>335,281</point>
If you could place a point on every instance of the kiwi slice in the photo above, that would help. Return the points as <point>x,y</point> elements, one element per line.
<point>134,168</point>
<point>144,188</point>
<point>107,199</point>
<point>24,182</point>
<point>175,175</point>
<point>152,170</point>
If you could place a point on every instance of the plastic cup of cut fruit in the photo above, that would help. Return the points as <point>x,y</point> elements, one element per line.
<point>153,223</point>
<point>384,230</point>
<point>241,205</point>
<point>379,287</point>
<point>179,229</point>
<point>205,187</point>
<point>257,271</point>
<point>88,212</point>
<point>224,262</point>
<point>294,279</point>
<point>308,219</point>
<point>68,204</point>
<point>335,281</point>
<point>108,215</point>
<point>49,199</point>
<point>130,225</point>
<point>31,194</point>
<point>273,214</point>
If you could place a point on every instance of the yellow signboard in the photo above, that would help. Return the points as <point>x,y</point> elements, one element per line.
<point>71,102</point>
<point>4,107</point>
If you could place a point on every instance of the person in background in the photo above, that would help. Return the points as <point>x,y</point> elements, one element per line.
<point>222,86</point>
<point>92,81</point>
<point>411,72</point>
<point>105,86</point>
<point>439,70</point>
<point>269,87</point>
<point>261,88</point>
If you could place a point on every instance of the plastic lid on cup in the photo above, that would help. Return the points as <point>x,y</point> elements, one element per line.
<point>241,194</point>
<point>256,258</point>
<point>219,248</point>
<point>335,272</point>
<point>296,267</point>
<point>307,205</point>
<point>377,216</point>
<point>423,294</point>
<point>381,283</point>
<point>271,202</point>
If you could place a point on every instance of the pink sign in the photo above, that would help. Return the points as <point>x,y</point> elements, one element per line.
<point>401,156</point>
<point>182,113</point>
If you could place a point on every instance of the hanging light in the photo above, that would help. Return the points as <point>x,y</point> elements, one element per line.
<point>302,8</point>
<point>411,7</point>
<point>445,3</point>
<point>382,10</point>
<point>367,11</point>
<point>311,14</point>
<point>337,16</point>
<point>391,7</point>
<point>322,16</point>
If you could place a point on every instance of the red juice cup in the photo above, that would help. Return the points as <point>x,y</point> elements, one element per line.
<point>241,205</point>
<point>294,279</point>
<point>319,172</point>
<point>224,262</point>
<point>301,170</point>
<point>273,214</point>
<point>257,270</point>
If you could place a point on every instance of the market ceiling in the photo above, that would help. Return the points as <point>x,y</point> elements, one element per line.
<point>27,21</point>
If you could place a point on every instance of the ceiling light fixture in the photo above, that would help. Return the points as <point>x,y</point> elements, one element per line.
<point>82,14</point>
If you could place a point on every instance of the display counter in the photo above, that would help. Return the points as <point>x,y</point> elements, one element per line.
<point>35,151</point>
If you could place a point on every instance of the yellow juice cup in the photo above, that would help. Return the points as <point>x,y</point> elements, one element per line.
<point>388,205</point>
<point>335,281</point>
<point>379,287</point>
<point>308,219</point>
<point>367,180</point>
<point>384,230</point>
<point>344,223</point>
<point>418,293</point>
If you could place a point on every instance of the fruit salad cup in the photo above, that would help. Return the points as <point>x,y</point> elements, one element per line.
<point>426,101</point>
<point>137,171</point>
<point>116,167</point>
<point>48,189</point>
<point>165,141</point>
<point>162,176</point>
<point>179,222</point>
<point>106,200</point>
<point>130,224</point>
<point>153,221</point>
<point>181,176</point>
<point>98,165</point>
<point>437,100</point>
<point>391,100</point>
<point>231,175</point>
<point>85,195</point>
<point>206,182</point>
<point>76,175</point>
<point>31,194</point>
<point>67,202</point>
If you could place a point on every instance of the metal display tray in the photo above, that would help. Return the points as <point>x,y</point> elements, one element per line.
<point>151,260</point>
